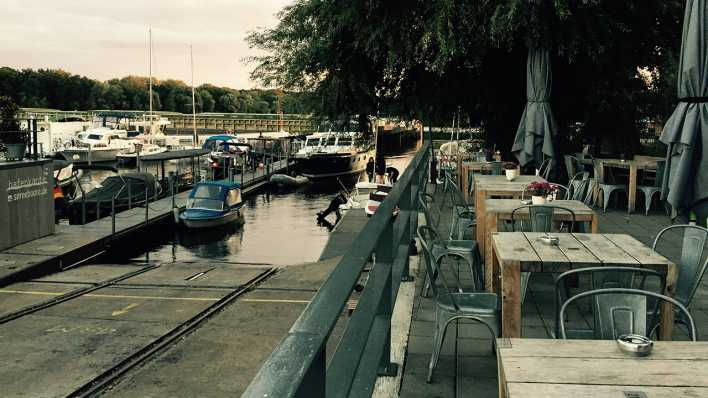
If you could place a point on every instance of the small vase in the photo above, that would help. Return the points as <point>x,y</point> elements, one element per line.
<point>511,174</point>
<point>538,200</point>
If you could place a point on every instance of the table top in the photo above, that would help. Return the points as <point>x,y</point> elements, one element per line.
<point>505,206</point>
<point>640,164</point>
<point>593,368</point>
<point>574,250</point>
<point>500,183</point>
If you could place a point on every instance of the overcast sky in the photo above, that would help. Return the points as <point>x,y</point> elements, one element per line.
<point>104,39</point>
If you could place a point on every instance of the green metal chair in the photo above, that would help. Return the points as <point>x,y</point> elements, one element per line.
<point>544,170</point>
<point>452,305</point>
<point>692,265</point>
<point>603,278</point>
<point>650,191</point>
<point>463,214</point>
<point>608,188</point>
<point>619,311</point>
<point>540,220</point>
<point>467,248</point>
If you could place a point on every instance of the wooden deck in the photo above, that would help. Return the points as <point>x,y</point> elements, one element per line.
<point>467,366</point>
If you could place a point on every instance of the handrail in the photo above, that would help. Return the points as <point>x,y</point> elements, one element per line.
<point>296,368</point>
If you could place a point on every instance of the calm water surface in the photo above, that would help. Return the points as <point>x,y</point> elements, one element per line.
<point>279,228</point>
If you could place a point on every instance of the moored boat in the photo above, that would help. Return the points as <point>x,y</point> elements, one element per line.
<point>333,154</point>
<point>213,203</point>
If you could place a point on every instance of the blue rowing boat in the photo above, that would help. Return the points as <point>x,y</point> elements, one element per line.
<point>213,203</point>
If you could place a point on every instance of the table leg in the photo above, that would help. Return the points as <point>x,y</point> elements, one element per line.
<point>594,224</point>
<point>632,194</point>
<point>491,227</point>
<point>666,326</point>
<point>464,175</point>
<point>511,299</point>
<point>480,217</point>
<point>599,178</point>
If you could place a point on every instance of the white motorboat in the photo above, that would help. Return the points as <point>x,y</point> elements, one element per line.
<point>129,158</point>
<point>100,144</point>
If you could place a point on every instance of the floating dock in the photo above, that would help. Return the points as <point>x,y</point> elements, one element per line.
<point>71,245</point>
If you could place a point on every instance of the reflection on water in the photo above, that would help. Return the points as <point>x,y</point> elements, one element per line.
<point>279,227</point>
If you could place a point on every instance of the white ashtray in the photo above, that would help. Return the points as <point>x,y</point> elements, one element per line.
<point>635,344</point>
<point>550,240</point>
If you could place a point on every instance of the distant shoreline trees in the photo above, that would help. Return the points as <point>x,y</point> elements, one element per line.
<point>58,89</point>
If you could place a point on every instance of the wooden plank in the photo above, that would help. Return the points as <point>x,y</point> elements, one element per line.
<point>632,194</point>
<point>552,258</point>
<point>506,206</point>
<point>578,255</point>
<point>638,250</point>
<point>513,246</point>
<point>537,390</point>
<point>620,372</point>
<point>489,227</point>
<point>605,250</point>
<point>600,349</point>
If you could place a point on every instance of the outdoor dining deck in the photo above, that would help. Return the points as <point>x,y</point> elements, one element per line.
<point>467,366</point>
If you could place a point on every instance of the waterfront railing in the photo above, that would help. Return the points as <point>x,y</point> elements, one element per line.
<point>298,366</point>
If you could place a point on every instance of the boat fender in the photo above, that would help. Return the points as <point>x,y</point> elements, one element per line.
<point>175,212</point>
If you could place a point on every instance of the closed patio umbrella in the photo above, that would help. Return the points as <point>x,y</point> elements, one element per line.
<point>686,131</point>
<point>534,136</point>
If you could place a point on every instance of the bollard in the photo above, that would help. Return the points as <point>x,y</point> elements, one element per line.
<point>113,216</point>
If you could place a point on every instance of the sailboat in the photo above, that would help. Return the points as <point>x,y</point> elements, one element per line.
<point>149,142</point>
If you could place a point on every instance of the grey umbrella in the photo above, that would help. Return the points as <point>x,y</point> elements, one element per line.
<point>534,136</point>
<point>686,131</point>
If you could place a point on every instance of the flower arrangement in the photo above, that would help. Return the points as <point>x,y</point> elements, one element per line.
<point>540,188</point>
<point>510,166</point>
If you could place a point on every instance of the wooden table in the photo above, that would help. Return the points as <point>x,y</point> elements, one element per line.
<point>500,210</point>
<point>514,252</point>
<point>633,166</point>
<point>535,368</point>
<point>466,167</point>
<point>487,187</point>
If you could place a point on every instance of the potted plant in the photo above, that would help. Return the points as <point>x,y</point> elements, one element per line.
<point>540,191</point>
<point>511,170</point>
<point>15,140</point>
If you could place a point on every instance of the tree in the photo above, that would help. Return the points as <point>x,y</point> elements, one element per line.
<point>426,58</point>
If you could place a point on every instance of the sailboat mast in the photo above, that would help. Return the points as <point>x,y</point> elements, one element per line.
<point>150,72</point>
<point>194,105</point>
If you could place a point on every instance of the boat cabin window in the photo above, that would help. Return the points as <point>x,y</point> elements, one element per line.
<point>330,141</point>
<point>234,197</point>
<point>94,137</point>
<point>115,137</point>
<point>206,197</point>
<point>345,141</point>
<point>312,142</point>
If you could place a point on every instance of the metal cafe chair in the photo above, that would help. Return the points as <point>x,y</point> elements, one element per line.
<point>619,311</point>
<point>691,265</point>
<point>463,217</point>
<point>604,278</point>
<point>545,168</point>
<point>452,305</point>
<point>540,220</point>
<point>650,191</point>
<point>608,188</point>
<point>467,249</point>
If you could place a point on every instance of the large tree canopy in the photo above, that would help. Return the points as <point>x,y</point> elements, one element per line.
<point>426,58</point>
